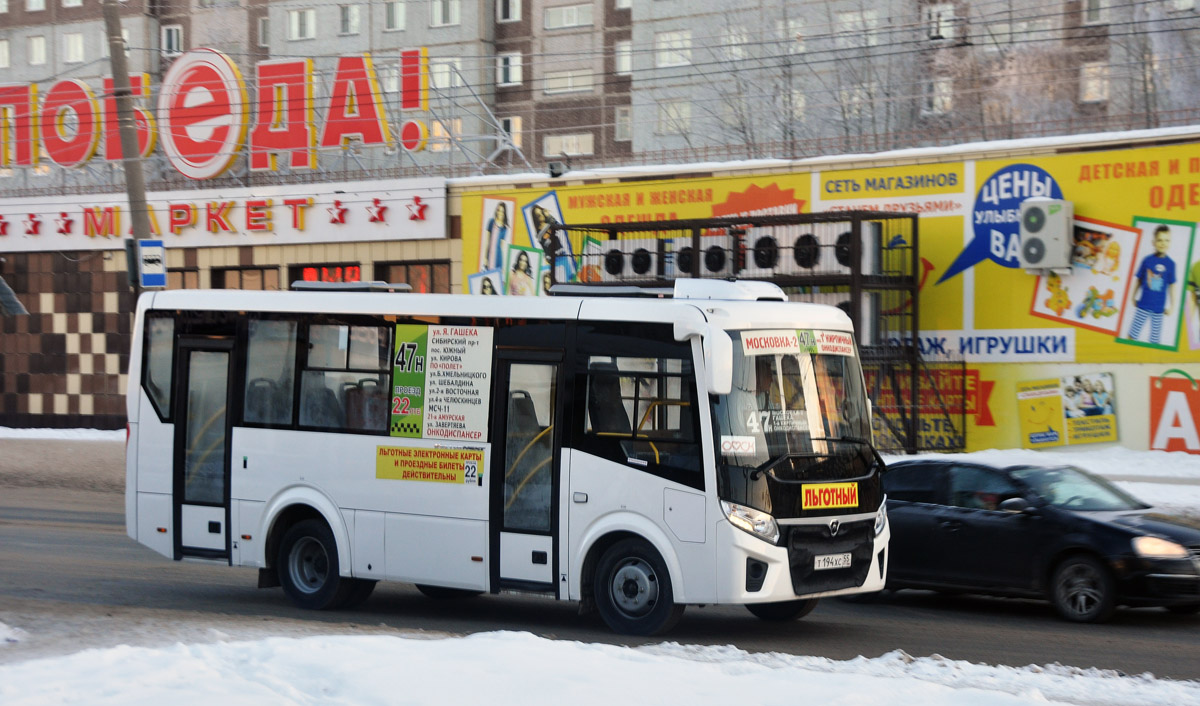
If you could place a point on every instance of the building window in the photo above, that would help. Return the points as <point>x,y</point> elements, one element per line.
<point>423,277</point>
<point>796,103</point>
<point>35,5</point>
<point>348,19</point>
<point>446,73</point>
<point>183,279</point>
<point>508,10</point>
<point>940,21</point>
<point>302,24</point>
<point>3,6</point>
<point>856,28</point>
<point>393,20</point>
<point>939,96</point>
<point>389,78</point>
<point>1093,82</point>
<point>568,16</point>
<point>623,124</point>
<point>255,278</point>
<point>854,100</point>
<point>37,51</point>
<point>734,43</point>
<point>674,117</point>
<point>4,54</point>
<point>442,133</point>
<point>570,145</point>
<point>1184,5</point>
<point>567,81</point>
<point>264,31</point>
<point>673,48</point>
<point>332,272</point>
<point>508,69</point>
<point>72,3</point>
<point>72,48</point>
<point>444,13</point>
<point>172,39</point>
<point>512,126</point>
<point>1093,11</point>
<point>623,57</point>
<point>791,34</point>
<point>624,4</point>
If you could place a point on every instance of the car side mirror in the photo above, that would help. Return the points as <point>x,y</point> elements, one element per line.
<point>1015,505</point>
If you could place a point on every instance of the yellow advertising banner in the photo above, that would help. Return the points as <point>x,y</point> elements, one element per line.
<point>500,228</point>
<point>440,465</point>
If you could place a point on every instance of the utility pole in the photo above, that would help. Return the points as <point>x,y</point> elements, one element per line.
<point>131,159</point>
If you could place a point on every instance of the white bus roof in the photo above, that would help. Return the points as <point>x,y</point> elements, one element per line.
<point>731,305</point>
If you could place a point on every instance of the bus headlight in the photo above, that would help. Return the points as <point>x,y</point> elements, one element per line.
<point>756,522</point>
<point>881,517</point>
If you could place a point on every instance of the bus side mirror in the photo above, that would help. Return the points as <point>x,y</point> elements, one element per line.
<point>718,353</point>
<point>718,361</point>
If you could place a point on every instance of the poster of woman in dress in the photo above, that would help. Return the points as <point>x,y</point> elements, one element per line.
<point>497,232</point>
<point>523,273</point>
<point>555,246</point>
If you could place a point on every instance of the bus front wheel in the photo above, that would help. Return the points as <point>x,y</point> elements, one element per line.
<point>308,567</point>
<point>633,590</point>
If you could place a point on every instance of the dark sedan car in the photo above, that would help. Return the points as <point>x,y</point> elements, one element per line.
<point>1059,533</point>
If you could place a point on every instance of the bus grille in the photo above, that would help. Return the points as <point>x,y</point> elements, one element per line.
<point>806,542</point>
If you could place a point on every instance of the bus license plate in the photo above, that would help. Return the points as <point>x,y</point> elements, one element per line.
<point>831,561</point>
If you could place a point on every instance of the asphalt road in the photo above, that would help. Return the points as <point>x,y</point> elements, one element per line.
<point>71,579</point>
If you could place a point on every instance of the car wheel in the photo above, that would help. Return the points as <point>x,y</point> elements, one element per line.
<point>1083,590</point>
<point>443,593</point>
<point>633,590</point>
<point>783,611</point>
<point>1191,609</point>
<point>308,567</point>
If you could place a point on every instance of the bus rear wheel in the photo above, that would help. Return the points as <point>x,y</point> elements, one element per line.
<point>782,611</point>
<point>308,567</point>
<point>633,590</point>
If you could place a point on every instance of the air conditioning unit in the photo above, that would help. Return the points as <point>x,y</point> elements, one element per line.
<point>767,252</point>
<point>630,260</point>
<point>717,256</point>
<point>1047,234</point>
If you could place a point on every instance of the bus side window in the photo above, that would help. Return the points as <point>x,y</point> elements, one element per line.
<point>157,378</point>
<point>270,372</point>
<point>346,378</point>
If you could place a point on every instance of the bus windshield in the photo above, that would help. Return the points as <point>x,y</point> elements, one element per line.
<point>791,400</point>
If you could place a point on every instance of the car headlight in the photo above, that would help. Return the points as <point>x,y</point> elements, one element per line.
<point>1159,548</point>
<point>747,519</point>
<point>881,517</point>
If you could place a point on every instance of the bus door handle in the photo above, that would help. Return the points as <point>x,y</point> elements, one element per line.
<point>579,497</point>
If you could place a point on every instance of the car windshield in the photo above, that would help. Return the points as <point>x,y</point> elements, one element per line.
<point>1075,489</point>
<point>792,392</point>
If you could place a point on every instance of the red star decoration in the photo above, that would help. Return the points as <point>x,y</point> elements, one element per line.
<point>377,212</point>
<point>337,214</point>
<point>33,226</point>
<point>3,226</point>
<point>416,209</point>
<point>64,224</point>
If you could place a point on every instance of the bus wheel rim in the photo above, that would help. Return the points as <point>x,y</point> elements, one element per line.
<point>634,588</point>
<point>308,565</point>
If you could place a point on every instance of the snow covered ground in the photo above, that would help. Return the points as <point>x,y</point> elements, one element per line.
<point>501,668</point>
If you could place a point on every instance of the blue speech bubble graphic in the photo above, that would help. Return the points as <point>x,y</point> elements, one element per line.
<point>997,216</point>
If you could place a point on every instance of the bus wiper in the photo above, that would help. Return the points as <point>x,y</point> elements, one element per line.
<point>770,466</point>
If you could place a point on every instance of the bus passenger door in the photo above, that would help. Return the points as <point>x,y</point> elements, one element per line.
<point>201,481</point>
<point>525,471</point>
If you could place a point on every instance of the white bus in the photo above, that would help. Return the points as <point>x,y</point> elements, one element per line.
<point>635,454</point>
